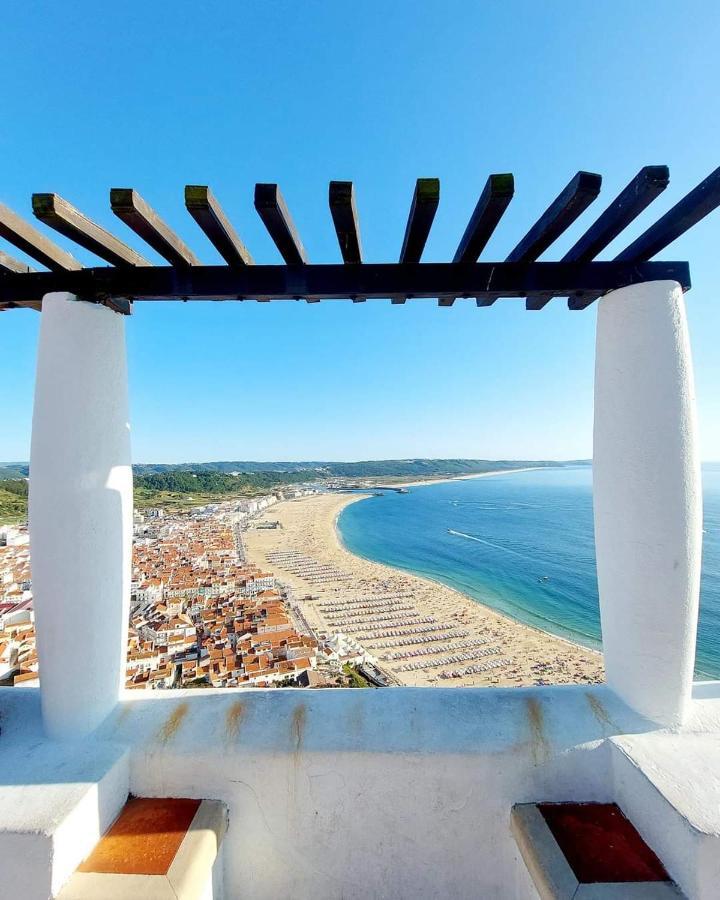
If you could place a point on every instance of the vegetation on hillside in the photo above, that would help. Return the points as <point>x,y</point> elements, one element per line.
<point>13,501</point>
<point>13,471</point>
<point>368,468</point>
<point>187,485</point>
<point>219,483</point>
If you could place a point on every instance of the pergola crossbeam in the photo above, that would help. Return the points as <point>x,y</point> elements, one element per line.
<point>337,282</point>
<point>276,217</point>
<point>341,197</point>
<point>10,264</point>
<point>578,275</point>
<point>425,201</point>
<point>558,217</point>
<point>63,217</point>
<point>693,207</point>
<point>686,213</point>
<point>494,200</point>
<point>645,187</point>
<point>22,235</point>
<point>130,207</point>
<point>207,212</point>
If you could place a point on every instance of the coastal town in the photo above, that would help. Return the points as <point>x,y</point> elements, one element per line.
<point>201,615</point>
<point>260,592</point>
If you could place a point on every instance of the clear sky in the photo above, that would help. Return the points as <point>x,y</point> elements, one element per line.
<point>155,95</point>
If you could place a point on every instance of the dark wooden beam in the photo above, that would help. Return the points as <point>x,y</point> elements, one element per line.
<point>422,213</point>
<point>494,200</point>
<point>425,202</point>
<point>341,197</point>
<point>693,207</point>
<point>129,206</point>
<point>330,282</point>
<point>8,264</point>
<point>272,210</point>
<point>645,187</point>
<point>63,217</point>
<point>558,217</point>
<point>648,184</point>
<point>22,235</point>
<point>686,213</point>
<point>207,212</point>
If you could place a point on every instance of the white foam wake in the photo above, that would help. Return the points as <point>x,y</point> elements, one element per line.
<point>472,537</point>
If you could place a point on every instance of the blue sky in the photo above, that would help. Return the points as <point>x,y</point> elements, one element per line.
<point>155,95</point>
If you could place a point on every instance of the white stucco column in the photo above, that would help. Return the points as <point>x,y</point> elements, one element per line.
<point>647,498</point>
<point>80,512</point>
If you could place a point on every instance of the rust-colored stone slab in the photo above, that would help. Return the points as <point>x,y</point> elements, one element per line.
<point>600,844</point>
<point>144,838</point>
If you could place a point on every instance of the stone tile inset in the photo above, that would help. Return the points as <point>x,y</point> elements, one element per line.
<point>587,851</point>
<point>144,838</point>
<point>600,844</point>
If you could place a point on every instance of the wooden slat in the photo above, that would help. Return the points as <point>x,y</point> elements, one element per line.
<point>558,217</point>
<point>341,197</point>
<point>129,206</point>
<point>207,212</point>
<point>272,210</point>
<point>422,213</point>
<point>494,200</point>
<point>63,217</point>
<point>22,235</point>
<point>425,202</point>
<point>693,207</point>
<point>10,264</point>
<point>648,184</point>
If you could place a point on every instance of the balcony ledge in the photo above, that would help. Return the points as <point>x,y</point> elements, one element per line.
<point>365,792</point>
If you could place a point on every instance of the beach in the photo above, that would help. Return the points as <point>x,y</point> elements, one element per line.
<point>420,632</point>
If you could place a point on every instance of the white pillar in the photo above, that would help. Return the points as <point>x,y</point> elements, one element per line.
<point>647,498</point>
<point>80,513</point>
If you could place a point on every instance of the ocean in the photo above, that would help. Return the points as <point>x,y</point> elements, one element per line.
<point>521,543</point>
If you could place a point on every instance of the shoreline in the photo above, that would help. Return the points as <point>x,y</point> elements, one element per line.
<point>442,636</point>
<point>451,478</point>
<point>437,581</point>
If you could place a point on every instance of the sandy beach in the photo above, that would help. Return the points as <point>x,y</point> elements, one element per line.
<point>421,632</point>
<point>445,480</point>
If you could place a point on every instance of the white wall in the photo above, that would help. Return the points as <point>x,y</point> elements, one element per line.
<point>80,512</point>
<point>391,793</point>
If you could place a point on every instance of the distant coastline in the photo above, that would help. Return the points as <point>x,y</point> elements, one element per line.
<point>450,478</point>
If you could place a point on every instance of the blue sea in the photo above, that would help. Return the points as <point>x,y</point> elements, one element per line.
<point>521,543</point>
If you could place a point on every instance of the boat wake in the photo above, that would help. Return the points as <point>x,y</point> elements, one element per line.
<point>472,537</point>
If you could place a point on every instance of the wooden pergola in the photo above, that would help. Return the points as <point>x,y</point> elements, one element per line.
<point>129,276</point>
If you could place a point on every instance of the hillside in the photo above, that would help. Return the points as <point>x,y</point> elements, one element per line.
<point>13,501</point>
<point>362,469</point>
<point>192,484</point>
